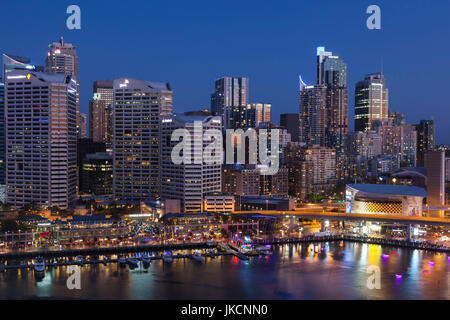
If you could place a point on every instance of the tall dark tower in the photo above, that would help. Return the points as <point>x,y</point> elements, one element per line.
<point>425,140</point>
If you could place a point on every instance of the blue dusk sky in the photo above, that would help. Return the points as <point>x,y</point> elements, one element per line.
<point>192,43</point>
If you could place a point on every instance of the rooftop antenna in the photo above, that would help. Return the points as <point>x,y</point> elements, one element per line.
<point>381,65</point>
<point>62,39</point>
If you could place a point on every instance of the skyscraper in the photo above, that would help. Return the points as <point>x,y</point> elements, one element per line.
<point>332,72</point>
<point>229,92</point>
<point>371,101</point>
<point>313,114</point>
<point>290,121</point>
<point>324,107</point>
<point>190,182</point>
<point>41,145</point>
<point>10,63</point>
<point>82,126</point>
<point>312,170</point>
<point>2,132</point>
<point>259,113</point>
<point>97,171</point>
<point>137,112</point>
<point>62,58</point>
<point>330,69</point>
<point>435,164</point>
<point>425,140</point>
<point>100,112</point>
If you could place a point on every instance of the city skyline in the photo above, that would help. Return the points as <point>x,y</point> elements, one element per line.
<point>192,74</point>
<point>225,150</point>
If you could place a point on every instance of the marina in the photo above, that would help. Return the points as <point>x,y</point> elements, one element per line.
<point>325,270</point>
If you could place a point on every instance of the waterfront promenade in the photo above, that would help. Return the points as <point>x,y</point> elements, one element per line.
<point>54,253</point>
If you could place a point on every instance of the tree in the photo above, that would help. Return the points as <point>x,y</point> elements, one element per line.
<point>54,210</point>
<point>10,225</point>
<point>6,207</point>
<point>223,232</point>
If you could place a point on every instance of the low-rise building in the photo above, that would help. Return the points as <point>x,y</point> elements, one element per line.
<point>219,202</point>
<point>385,199</point>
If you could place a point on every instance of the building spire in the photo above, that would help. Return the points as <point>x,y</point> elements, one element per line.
<point>62,39</point>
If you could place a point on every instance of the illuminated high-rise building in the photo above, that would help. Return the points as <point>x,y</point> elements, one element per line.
<point>2,132</point>
<point>41,140</point>
<point>138,108</point>
<point>313,114</point>
<point>371,101</point>
<point>312,170</point>
<point>82,126</point>
<point>324,107</point>
<point>100,112</point>
<point>259,113</point>
<point>332,73</point>
<point>200,172</point>
<point>62,58</point>
<point>9,63</point>
<point>229,94</point>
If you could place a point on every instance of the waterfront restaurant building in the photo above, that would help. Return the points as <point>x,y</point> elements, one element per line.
<point>384,199</point>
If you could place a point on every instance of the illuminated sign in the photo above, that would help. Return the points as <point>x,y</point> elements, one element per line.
<point>16,77</point>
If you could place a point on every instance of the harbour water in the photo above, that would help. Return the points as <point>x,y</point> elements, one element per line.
<point>336,270</point>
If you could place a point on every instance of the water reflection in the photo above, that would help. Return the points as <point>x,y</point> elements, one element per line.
<point>335,270</point>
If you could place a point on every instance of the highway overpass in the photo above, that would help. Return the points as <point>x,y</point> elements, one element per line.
<point>318,214</point>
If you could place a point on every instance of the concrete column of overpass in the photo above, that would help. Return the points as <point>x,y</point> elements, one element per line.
<point>410,232</point>
<point>324,225</point>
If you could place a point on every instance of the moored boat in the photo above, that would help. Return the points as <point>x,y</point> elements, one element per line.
<point>167,256</point>
<point>197,256</point>
<point>39,265</point>
<point>122,261</point>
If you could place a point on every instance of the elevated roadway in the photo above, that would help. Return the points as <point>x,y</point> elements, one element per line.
<point>319,214</point>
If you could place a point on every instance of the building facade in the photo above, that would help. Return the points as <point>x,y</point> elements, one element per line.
<point>97,172</point>
<point>371,101</point>
<point>313,114</point>
<point>425,140</point>
<point>138,109</point>
<point>258,113</point>
<point>100,112</point>
<point>332,72</point>
<point>311,170</point>
<point>384,199</point>
<point>435,164</point>
<point>200,172</point>
<point>41,152</point>
<point>9,63</point>
<point>290,121</point>
<point>62,58</point>
<point>229,92</point>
